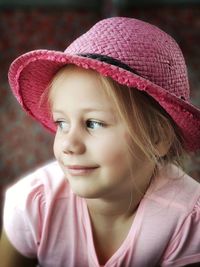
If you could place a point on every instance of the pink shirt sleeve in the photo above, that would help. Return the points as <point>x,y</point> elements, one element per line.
<point>22,216</point>
<point>185,245</point>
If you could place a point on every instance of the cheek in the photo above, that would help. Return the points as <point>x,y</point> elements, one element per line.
<point>111,151</point>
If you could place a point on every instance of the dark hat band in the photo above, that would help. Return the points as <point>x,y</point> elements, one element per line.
<point>109,60</point>
<point>115,62</point>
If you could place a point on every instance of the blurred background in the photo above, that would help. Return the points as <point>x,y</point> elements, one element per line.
<point>52,24</point>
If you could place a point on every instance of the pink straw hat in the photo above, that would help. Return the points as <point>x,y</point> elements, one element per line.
<point>131,52</point>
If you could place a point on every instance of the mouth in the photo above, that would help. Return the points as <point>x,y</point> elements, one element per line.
<point>79,170</point>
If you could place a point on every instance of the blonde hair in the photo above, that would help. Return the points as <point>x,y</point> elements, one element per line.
<point>147,122</point>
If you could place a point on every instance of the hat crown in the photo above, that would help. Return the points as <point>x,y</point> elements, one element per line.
<point>149,51</point>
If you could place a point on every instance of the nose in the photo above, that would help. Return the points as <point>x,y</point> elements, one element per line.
<point>73,142</point>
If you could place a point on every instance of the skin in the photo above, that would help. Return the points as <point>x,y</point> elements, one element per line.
<point>88,137</point>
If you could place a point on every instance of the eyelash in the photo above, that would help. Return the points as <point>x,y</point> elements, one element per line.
<point>59,123</point>
<point>101,124</point>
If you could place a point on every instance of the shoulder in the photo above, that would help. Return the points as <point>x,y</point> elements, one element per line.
<point>43,182</point>
<point>28,204</point>
<point>178,195</point>
<point>38,190</point>
<point>175,189</point>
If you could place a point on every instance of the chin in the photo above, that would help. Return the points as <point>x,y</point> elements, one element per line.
<point>86,192</point>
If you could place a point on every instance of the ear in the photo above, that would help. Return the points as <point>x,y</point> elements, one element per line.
<point>162,147</point>
<point>165,138</point>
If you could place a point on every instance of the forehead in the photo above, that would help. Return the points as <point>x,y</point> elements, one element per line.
<point>79,87</point>
<point>74,89</point>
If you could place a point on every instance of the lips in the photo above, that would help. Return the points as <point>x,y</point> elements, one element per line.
<point>77,170</point>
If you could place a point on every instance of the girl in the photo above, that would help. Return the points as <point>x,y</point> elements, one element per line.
<point>118,100</point>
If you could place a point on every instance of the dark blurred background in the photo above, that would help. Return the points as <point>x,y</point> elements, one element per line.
<point>52,24</point>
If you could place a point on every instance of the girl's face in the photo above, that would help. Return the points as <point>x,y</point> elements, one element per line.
<point>91,141</point>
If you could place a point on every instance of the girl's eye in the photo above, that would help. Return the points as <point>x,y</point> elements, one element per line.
<point>94,124</point>
<point>62,125</point>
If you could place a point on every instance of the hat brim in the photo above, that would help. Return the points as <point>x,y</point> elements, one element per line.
<point>31,73</point>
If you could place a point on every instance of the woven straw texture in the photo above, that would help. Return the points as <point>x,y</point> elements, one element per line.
<point>153,54</point>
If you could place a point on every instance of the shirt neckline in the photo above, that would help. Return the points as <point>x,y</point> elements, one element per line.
<point>128,242</point>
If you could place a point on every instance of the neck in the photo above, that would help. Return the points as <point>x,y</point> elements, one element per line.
<point>112,210</point>
<point>109,213</point>
<point>110,224</point>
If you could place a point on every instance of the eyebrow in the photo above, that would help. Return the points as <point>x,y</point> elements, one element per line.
<point>85,110</point>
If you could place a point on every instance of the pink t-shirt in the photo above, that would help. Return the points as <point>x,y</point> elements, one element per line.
<point>44,219</point>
